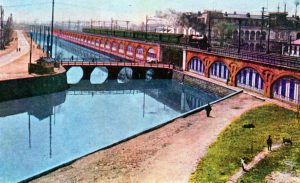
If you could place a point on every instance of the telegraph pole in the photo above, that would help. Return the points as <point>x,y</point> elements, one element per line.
<point>262,28</point>
<point>52,22</point>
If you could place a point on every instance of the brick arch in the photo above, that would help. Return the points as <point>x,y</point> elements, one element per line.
<point>225,62</point>
<point>284,75</point>
<point>259,71</point>
<point>218,60</point>
<point>201,61</point>
<point>285,97</point>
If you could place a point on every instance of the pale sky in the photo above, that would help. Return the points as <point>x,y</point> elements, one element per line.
<point>132,10</point>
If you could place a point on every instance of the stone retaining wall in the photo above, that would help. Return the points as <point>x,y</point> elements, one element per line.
<point>34,86</point>
<point>202,84</point>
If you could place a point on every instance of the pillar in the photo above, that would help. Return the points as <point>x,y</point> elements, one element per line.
<point>184,60</point>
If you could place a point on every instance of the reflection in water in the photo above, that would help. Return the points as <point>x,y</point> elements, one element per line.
<point>149,74</point>
<point>40,133</point>
<point>74,75</point>
<point>125,75</point>
<point>99,75</point>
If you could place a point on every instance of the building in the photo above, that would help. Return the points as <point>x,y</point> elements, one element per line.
<point>254,29</point>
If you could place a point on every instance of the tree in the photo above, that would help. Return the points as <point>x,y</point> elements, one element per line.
<point>8,31</point>
<point>225,31</point>
<point>296,2</point>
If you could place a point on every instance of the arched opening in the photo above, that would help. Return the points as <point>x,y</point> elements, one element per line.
<point>139,53</point>
<point>257,47</point>
<point>97,42</point>
<point>247,34</point>
<point>287,89</point>
<point>151,55</point>
<point>107,45</point>
<point>74,75</point>
<point>102,43</point>
<point>121,48</point>
<point>263,35</point>
<point>252,47</point>
<point>298,35</point>
<point>129,50</point>
<point>251,79</point>
<point>114,46</point>
<point>252,36</point>
<point>219,71</point>
<point>99,75</point>
<point>196,65</point>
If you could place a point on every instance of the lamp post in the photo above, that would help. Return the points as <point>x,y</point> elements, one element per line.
<point>52,22</point>
<point>30,53</point>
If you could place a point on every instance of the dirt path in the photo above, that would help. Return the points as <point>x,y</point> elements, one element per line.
<point>169,154</point>
<point>262,155</point>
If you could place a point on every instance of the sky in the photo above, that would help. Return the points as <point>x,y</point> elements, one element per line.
<point>132,10</point>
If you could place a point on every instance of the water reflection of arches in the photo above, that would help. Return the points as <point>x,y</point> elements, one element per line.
<point>196,65</point>
<point>250,78</point>
<point>219,70</point>
<point>125,75</point>
<point>287,88</point>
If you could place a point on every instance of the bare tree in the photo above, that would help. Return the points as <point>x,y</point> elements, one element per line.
<point>296,2</point>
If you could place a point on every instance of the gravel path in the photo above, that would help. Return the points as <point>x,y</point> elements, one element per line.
<point>169,154</point>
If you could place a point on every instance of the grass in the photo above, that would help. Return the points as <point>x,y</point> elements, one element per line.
<point>223,157</point>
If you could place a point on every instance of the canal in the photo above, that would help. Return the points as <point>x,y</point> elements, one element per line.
<point>40,133</point>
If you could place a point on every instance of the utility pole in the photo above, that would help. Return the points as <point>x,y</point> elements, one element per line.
<point>52,22</point>
<point>262,28</point>
<point>146,26</point>
<point>269,33</point>
<point>240,28</point>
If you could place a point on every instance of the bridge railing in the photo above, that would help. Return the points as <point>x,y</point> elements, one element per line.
<point>117,64</point>
<point>270,59</point>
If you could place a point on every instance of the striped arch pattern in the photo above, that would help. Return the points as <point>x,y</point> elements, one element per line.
<point>196,65</point>
<point>250,78</point>
<point>287,89</point>
<point>219,71</point>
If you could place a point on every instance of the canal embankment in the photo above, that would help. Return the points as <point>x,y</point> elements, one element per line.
<point>16,82</point>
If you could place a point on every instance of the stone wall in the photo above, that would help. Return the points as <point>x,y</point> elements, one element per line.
<point>202,84</point>
<point>29,87</point>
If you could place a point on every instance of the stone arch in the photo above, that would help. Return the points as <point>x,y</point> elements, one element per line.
<point>151,55</point>
<point>196,65</point>
<point>286,88</point>
<point>252,35</point>
<point>251,78</point>
<point>251,48</point>
<point>258,35</point>
<point>219,70</point>
<point>247,35</point>
<point>139,53</point>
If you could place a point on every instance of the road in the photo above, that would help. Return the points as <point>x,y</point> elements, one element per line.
<point>12,56</point>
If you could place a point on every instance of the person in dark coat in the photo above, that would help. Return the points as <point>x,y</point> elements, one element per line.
<point>269,143</point>
<point>208,109</point>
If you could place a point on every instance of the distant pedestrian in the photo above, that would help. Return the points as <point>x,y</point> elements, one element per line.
<point>269,143</point>
<point>244,165</point>
<point>72,58</point>
<point>19,49</point>
<point>208,109</point>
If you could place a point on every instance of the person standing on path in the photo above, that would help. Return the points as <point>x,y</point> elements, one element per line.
<point>208,109</point>
<point>269,143</point>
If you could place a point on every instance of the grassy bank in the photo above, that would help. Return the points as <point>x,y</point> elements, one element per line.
<point>223,158</point>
